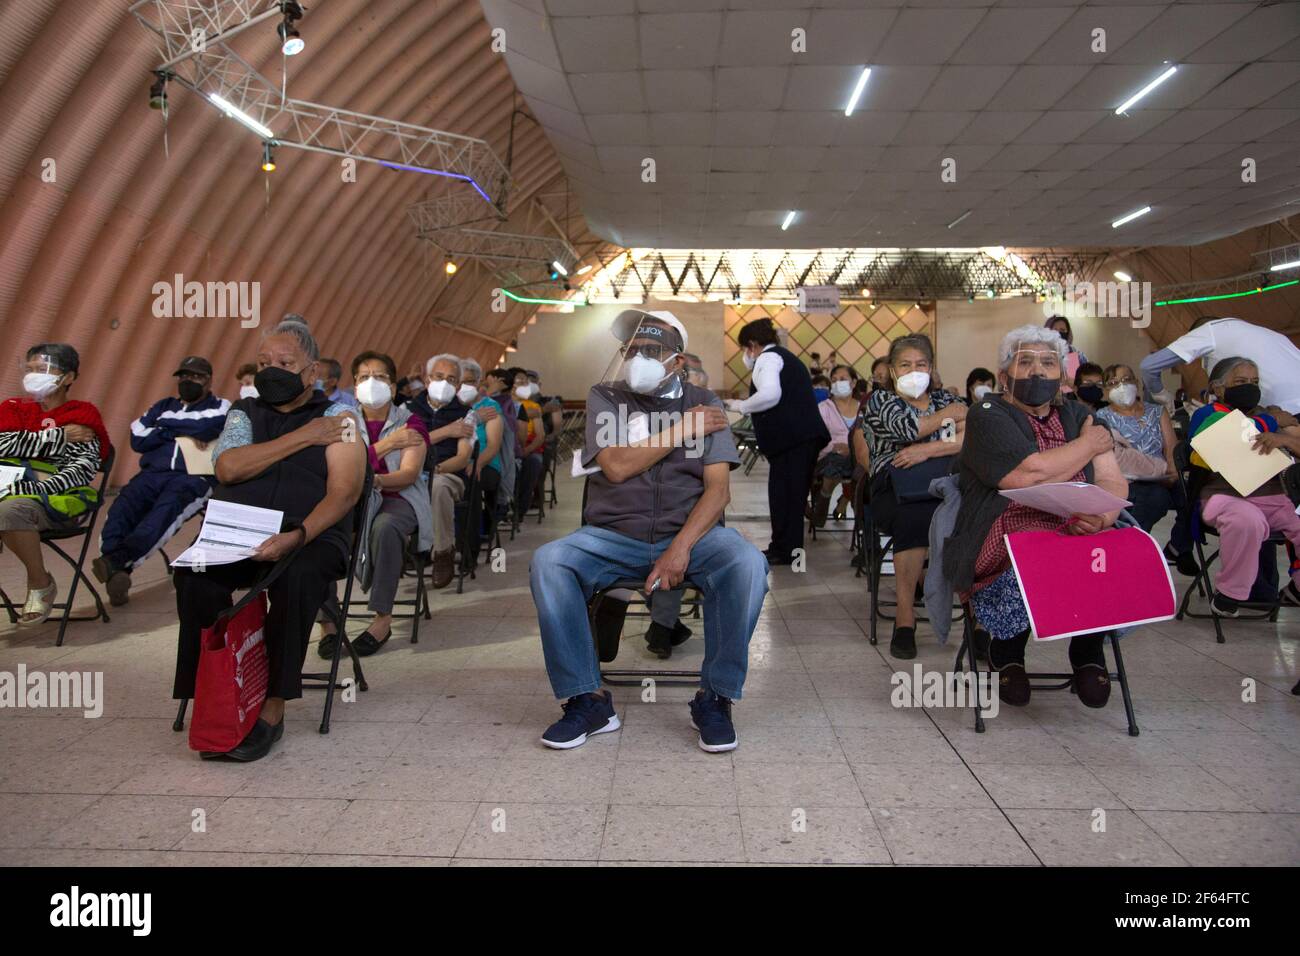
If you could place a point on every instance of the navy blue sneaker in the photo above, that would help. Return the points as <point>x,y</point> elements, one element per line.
<point>583,715</point>
<point>711,716</point>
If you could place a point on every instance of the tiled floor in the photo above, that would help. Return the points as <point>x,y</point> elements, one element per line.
<point>439,762</point>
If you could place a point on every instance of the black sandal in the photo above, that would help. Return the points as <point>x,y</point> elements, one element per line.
<point>367,643</point>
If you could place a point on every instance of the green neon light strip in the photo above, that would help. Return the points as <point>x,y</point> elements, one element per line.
<point>530,301</point>
<point>1230,295</point>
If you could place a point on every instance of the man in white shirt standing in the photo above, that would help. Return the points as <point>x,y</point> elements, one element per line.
<point>789,429</point>
<point>1214,339</point>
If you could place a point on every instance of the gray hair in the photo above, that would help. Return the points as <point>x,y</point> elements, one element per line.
<point>916,341</point>
<point>1225,367</point>
<point>295,325</point>
<point>469,365</point>
<point>443,357</point>
<point>1029,335</point>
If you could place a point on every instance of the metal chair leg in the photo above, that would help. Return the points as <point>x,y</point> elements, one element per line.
<point>179,723</point>
<point>1122,676</point>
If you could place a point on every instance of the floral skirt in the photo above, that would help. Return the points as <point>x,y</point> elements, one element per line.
<point>999,608</point>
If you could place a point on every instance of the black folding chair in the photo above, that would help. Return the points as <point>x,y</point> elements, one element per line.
<point>413,560</point>
<point>1201,582</point>
<point>878,546</point>
<point>85,531</point>
<point>328,680</point>
<point>966,657</point>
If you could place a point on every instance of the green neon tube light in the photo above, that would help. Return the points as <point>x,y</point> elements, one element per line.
<point>527,300</point>
<point>1230,295</point>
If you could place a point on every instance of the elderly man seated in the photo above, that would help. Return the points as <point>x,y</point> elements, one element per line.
<point>292,450</point>
<point>163,495</point>
<point>663,453</point>
<point>51,447</point>
<point>1026,435</point>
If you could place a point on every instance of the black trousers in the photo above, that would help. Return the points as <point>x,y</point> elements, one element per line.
<point>293,601</point>
<point>789,476</point>
<point>489,483</point>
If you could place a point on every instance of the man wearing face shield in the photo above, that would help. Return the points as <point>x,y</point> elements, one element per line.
<point>163,495</point>
<point>663,455</point>
<point>54,445</point>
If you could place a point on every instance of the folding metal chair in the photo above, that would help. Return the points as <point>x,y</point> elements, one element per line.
<point>328,680</point>
<point>1201,582</point>
<point>85,531</point>
<point>878,546</point>
<point>1061,681</point>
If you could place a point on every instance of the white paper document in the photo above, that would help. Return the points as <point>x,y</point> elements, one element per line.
<point>198,461</point>
<point>578,471</point>
<point>9,474</point>
<point>1228,447</point>
<point>1065,498</point>
<point>230,533</point>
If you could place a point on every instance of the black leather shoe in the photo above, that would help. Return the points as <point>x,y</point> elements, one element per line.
<point>258,742</point>
<point>367,643</point>
<point>660,641</point>
<point>1092,685</point>
<point>774,559</point>
<point>325,649</point>
<point>903,643</point>
<point>681,634</point>
<point>1013,685</point>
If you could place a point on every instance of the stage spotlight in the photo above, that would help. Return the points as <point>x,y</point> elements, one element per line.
<point>158,93</point>
<point>291,42</point>
<point>451,268</point>
<point>268,159</point>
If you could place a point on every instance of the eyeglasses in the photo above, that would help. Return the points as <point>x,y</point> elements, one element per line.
<point>1126,380</point>
<point>377,376</point>
<point>655,352</point>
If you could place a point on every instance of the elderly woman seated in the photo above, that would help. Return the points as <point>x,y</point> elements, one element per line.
<point>906,425</point>
<point>1243,522</point>
<point>1024,436</point>
<point>292,450</point>
<point>52,446</point>
<point>835,461</point>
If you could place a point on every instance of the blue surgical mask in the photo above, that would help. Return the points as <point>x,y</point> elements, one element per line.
<point>821,394</point>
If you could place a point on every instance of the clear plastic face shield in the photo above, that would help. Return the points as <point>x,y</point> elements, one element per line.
<point>648,360</point>
<point>1034,375</point>
<point>42,376</point>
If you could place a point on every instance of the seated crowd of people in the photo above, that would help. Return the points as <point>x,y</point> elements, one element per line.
<point>657,455</point>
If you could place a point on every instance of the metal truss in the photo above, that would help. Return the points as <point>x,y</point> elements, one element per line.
<point>193,37</point>
<point>875,273</point>
<point>1280,255</point>
<point>496,248</point>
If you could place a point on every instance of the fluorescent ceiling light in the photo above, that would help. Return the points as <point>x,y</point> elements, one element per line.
<point>960,218</point>
<point>857,91</point>
<point>559,268</point>
<point>1146,89</point>
<point>585,269</point>
<point>1285,265</point>
<point>1130,217</point>
<point>1123,276</point>
<point>234,112</point>
<point>789,218</point>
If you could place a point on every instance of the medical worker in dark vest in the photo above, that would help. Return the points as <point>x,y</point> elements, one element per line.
<point>789,429</point>
<point>292,450</point>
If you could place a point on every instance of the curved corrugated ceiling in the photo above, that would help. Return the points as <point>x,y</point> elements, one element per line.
<point>79,256</point>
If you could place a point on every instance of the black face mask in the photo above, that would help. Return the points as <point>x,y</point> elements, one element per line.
<point>1035,390</point>
<point>1090,394</point>
<point>1242,397</point>
<point>190,391</point>
<point>278,386</point>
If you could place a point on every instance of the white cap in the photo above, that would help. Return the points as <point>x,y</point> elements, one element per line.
<point>625,324</point>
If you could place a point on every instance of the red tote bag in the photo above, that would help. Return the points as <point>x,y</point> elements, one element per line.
<point>230,687</point>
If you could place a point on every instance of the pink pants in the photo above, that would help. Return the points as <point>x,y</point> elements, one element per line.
<point>1243,524</point>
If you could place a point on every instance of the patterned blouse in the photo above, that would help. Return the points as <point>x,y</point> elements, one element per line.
<point>1141,431</point>
<point>890,423</point>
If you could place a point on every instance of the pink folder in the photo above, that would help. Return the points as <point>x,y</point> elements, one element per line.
<point>1081,584</point>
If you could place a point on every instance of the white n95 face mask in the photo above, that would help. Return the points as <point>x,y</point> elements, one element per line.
<point>1124,394</point>
<point>40,384</point>
<point>842,389</point>
<point>979,391</point>
<point>644,374</point>
<point>748,360</point>
<point>524,392</point>
<point>440,393</point>
<point>468,394</point>
<point>373,393</point>
<point>248,391</point>
<point>913,384</point>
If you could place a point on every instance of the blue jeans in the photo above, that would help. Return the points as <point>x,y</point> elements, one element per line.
<point>729,571</point>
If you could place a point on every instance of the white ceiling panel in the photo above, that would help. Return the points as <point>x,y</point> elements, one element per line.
<point>742,128</point>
